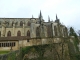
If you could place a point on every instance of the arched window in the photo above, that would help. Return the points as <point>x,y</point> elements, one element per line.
<point>49,34</point>
<point>18,33</point>
<point>65,32</point>
<point>55,30</point>
<point>0,44</point>
<point>28,33</point>
<point>0,33</point>
<point>9,33</point>
<point>21,23</point>
<point>29,23</point>
<point>38,32</point>
<point>12,23</point>
<point>0,22</point>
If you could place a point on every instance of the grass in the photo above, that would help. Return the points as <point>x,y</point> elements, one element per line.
<point>4,52</point>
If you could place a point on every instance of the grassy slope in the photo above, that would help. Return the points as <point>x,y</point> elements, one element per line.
<point>4,52</point>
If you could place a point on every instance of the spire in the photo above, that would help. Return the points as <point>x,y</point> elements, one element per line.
<point>40,16</point>
<point>48,18</point>
<point>57,20</point>
<point>32,16</point>
<point>56,17</point>
<point>40,13</point>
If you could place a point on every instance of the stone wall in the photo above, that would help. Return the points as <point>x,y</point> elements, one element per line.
<point>31,42</point>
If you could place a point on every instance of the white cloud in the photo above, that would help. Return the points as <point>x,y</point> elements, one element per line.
<point>67,10</point>
<point>50,4</point>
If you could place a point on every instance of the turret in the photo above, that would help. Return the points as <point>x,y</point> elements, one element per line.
<point>57,20</point>
<point>48,19</point>
<point>56,17</point>
<point>32,16</point>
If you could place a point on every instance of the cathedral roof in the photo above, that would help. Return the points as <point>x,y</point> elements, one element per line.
<point>17,18</point>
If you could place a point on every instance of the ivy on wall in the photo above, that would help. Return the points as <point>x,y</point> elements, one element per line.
<point>74,56</point>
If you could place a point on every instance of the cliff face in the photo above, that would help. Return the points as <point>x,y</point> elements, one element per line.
<point>56,51</point>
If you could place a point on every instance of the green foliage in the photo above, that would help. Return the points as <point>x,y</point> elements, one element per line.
<point>71,31</point>
<point>12,56</point>
<point>25,50</point>
<point>40,49</point>
<point>75,56</point>
<point>76,40</point>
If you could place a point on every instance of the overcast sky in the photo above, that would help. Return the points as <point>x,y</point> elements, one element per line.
<point>68,11</point>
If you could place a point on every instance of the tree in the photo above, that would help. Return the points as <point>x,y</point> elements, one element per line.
<point>76,55</point>
<point>71,32</point>
<point>76,40</point>
<point>79,32</point>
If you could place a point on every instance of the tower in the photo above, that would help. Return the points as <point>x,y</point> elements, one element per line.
<point>32,16</point>
<point>56,17</point>
<point>40,17</point>
<point>48,18</point>
<point>57,20</point>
